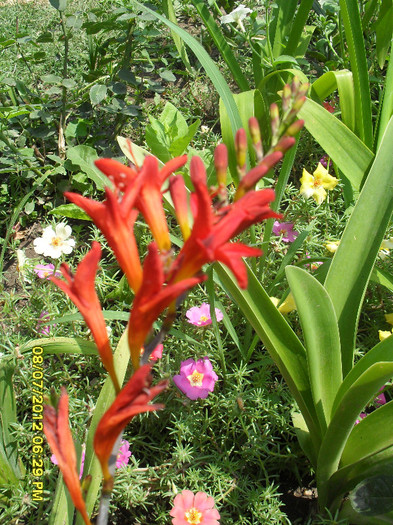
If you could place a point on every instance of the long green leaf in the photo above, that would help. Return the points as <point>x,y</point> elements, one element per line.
<point>346,150</point>
<point>322,340</point>
<point>279,339</point>
<point>170,14</point>
<point>207,63</point>
<point>62,345</point>
<point>387,102</point>
<point>353,262</point>
<point>222,45</point>
<point>298,26</point>
<point>349,10</point>
<point>361,392</point>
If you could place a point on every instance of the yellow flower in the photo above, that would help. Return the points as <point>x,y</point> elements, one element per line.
<point>315,185</point>
<point>332,246</point>
<point>389,318</point>
<point>384,334</point>
<point>286,306</point>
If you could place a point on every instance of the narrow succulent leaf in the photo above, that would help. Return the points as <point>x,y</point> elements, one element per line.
<point>349,10</point>
<point>346,150</point>
<point>222,45</point>
<point>353,262</point>
<point>322,340</point>
<point>207,63</point>
<point>358,395</point>
<point>279,339</point>
<point>371,435</point>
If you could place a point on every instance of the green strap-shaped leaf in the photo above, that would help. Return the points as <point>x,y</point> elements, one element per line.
<point>222,45</point>
<point>321,337</point>
<point>62,345</point>
<point>281,342</point>
<point>383,351</point>
<point>387,102</point>
<point>349,10</point>
<point>170,14</point>
<point>298,27</point>
<point>353,262</point>
<point>345,149</point>
<point>207,63</point>
<point>371,435</point>
<point>358,395</point>
<point>343,81</point>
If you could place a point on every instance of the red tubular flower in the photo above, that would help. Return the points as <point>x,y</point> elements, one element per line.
<point>58,434</point>
<point>255,174</point>
<point>116,220</point>
<point>151,300</point>
<point>80,289</point>
<point>209,239</point>
<point>133,399</point>
<point>178,193</point>
<point>149,200</point>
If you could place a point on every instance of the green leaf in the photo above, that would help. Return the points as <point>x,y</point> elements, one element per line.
<point>169,11</point>
<point>84,157</point>
<point>322,340</point>
<point>179,146</point>
<point>68,83</point>
<point>61,345</point>
<point>353,261</point>
<point>387,103</point>
<point>373,496</point>
<point>346,150</point>
<point>97,93</point>
<point>70,210</point>
<point>167,75</point>
<point>51,79</point>
<point>60,5</point>
<point>279,339</point>
<point>384,30</point>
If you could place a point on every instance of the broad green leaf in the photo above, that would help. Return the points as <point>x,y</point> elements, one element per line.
<point>222,45</point>
<point>97,93</point>
<point>357,396</point>
<point>321,337</point>
<point>353,261</point>
<point>384,29</point>
<point>349,10</point>
<point>373,496</point>
<point>348,514</point>
<point>60,5</point>
<point>70,210</point>
<point>84,157</point>
<point>371,435</point>
<point>133,152</point>
<point>346,150</point>
<point>174,122</point>
<point>157,140</point>
<point>179,146</point>
<point>279,339</point>
<point>61,345</point>
<point>207,63</point>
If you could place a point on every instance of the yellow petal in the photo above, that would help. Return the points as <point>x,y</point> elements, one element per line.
<point>275,301</point>
<point>387,244</point>
<point>288,305</point>
<point>384,334</point>
<point>321,174</point>
<point>319,194</point>
<point>389,318</point>
<point>332,246</point>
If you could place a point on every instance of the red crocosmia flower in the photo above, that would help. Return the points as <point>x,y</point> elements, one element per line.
<point>149,201</point>
<point>209,239</point>
<point>58,434</point>
<point>151,300</point>
<point>80,289</point>
<point>132,400</point>
<point>178,193</point>
<point>116,220</point>
<point>253,176</point>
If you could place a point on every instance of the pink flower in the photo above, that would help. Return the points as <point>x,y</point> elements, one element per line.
<point>380,399</point>
<point>41,329</point>
<point>285,229</point>
<point>362,415</point>
<point>200,315</point>
<point>196,378</point>
<point>324,161</point>
<point>123,455</point>
<point>44,271</point>
<point>314,265</point>
<point>55,462</point>
<point>190,509</point>
<point>157,353</point>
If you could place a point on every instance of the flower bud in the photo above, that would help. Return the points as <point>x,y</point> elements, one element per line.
<point>221,163</point>
<point>286,98</point>
<point>241,147</point>
<point>275,120</point>
<point>294,128</point>
<point>284,144</point>
<point>255,133</point>
<point>295,86</point>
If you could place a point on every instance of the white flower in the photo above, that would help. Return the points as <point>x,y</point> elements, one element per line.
<point>386,246</point>
<point>54,243</point>
<point>236,16</point>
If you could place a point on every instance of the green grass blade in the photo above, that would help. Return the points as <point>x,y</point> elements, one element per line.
<point>222,45</point>
<point>346,150</point>
<point>170,14</point>
<point>62,345</point>
<point>298,27</point>
<point>384,30</point>
<point>321,337</point>
<point>353,262</point>
<point>349,10</point>
<point>281,342</point>
<point>283,17</point>
<point>387,102</point>
<point>207,63</point>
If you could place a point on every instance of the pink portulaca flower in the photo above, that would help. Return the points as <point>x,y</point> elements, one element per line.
<point>200,315</point>
<point>362,415</point>
<point>190,509</point>
<point>41,327</point>
<point>285,229</point>
<point>123,456</point>
<point>44,271</point>
<point>196,378</point>
<point>55,462</point>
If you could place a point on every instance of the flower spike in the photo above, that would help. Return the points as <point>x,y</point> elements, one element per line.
<point>58,434</point>
<point>80,289</point>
